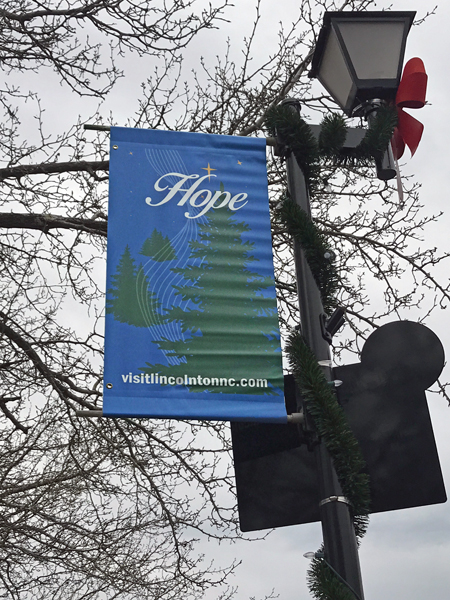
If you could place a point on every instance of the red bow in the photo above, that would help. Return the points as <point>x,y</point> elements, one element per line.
<point>410,94</point>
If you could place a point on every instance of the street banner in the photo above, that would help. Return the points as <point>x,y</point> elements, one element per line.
<point>191,319</point>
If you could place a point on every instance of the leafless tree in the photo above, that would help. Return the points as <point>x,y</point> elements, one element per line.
<point>74,36</point>
<point>112,508</point>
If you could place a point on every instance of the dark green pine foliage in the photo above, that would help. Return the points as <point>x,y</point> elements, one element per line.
<point>378,135</point>
<point>325,585</point>
<point>129,299</point>
<point>158,247</point>
<point>333,133</point>
<point>296,135</point>
<point>332,426</point>
<point>372,146</point>
<point>290,129</point>
<point>231,328</point>
<point>316,248</point>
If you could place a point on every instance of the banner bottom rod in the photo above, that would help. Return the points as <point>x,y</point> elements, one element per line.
<point>89,413</point>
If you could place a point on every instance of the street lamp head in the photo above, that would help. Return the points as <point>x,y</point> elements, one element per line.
<point>359,55</point>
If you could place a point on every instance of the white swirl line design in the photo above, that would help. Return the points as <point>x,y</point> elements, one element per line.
<point>158,273</point>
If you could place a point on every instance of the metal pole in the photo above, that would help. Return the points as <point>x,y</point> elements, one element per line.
<point>340,547</point>
<point>386,168</point>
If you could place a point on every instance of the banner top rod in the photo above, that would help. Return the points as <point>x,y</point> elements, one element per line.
<point>270,141</point>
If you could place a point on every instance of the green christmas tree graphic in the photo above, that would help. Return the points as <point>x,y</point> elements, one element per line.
<point>158,247</point>
<point>129,299</point>
<point>231,329</point>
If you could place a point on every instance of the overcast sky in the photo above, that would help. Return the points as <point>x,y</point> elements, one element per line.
<point>405,553</point>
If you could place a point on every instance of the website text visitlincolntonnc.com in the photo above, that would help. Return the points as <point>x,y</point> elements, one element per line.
<point>156,379</point>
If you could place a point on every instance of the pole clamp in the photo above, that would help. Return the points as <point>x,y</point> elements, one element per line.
<point>296,418</point>
<point>334,499</point>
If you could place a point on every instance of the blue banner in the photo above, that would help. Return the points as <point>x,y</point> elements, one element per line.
<point>191,318</point>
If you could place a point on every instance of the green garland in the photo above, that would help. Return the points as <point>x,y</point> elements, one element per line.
<point>333,133</point>
<point>331,425</point>
<point>288,127</point>
<point>315,247</point>
<point>323,583</point>
<point>374,144</point>
<point>372,147</point>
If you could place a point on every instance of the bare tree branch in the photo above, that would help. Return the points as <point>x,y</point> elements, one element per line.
<point>46,168</point>
<point>47,222</point>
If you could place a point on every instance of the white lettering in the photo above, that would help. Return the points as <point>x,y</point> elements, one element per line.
<point>173,190</point>
<point>191,190</point>
<point>210,203</point>
<point>237,199</point>
<point>198,198</point>
<point>155,378</point>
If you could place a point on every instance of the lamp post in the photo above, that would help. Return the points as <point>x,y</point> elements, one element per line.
<point>339,540</point>
<point>358,59</point>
